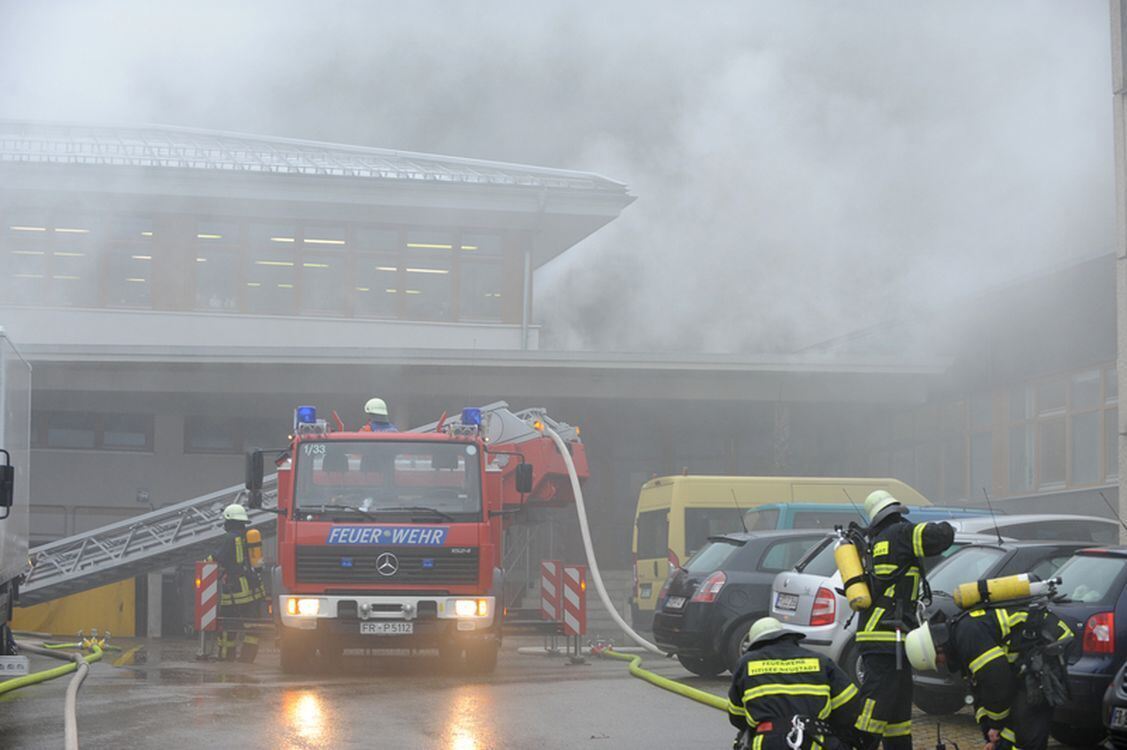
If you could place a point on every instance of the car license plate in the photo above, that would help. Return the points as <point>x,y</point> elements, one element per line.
<point>788,602</point>
<point>387,628</point>
<point>675,602</point>
<point>1119,718</point>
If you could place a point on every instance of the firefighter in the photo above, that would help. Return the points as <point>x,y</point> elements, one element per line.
<point>241,590</point>
<point>375,414</point>
<point>896,548</point>
<point>783,693</point>
<point>1014,658</point>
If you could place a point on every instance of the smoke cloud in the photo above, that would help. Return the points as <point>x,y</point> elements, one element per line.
<point>802,168</point>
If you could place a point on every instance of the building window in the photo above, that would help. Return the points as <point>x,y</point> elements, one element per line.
<point>49,261</point>
<point>1021,458</point>
<point>217,272</point>
<point>1111,444</point>
<point>93,431</point>
<point>954,468</point>
<point>230,435</point>
<point>426,280</point>
<point>981,463</point>
<point>270,279</point>
<point>1051,438</point>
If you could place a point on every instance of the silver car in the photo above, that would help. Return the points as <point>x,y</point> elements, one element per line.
<point>807,599</point>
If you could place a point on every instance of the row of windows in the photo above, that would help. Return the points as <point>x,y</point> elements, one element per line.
<point>74,430</point>
<point>1040,436</point>
<point>255,268</point>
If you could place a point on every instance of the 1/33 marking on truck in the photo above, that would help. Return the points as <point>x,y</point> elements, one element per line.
<point>314,449</point>
<point>411,536</point>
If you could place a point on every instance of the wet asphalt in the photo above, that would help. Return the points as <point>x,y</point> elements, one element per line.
<point>389,700</point>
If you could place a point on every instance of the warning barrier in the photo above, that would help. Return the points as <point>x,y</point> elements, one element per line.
<point>207,596</point>
<point>574,599</point>
<point>550,590</point>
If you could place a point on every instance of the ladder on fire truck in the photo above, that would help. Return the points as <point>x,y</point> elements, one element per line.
<point>190,530</point>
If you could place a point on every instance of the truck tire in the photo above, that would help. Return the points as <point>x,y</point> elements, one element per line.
<point>482,658</point>
<point>296,656</point>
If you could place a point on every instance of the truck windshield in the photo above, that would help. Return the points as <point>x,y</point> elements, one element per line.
<point>438,482</point>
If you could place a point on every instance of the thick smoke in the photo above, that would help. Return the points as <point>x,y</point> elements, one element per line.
<point>802,167</point>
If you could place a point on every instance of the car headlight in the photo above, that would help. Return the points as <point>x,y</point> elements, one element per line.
<point>471,607</point>
<point>306,607</point>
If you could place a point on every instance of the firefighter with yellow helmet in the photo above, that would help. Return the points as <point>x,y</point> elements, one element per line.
<point>785,697</point>
<point>1014,656</point>
<point>895,549</point>
<point>241,590</point>
<point>376,416</point>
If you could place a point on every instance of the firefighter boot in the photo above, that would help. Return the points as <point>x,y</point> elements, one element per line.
<point>226,644</point>
<point>249,649</point>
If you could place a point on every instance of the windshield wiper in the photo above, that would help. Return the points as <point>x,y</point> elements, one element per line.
<point>416,509</point>
<point>326,508</point>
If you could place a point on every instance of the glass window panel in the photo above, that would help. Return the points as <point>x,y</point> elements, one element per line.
<point>28,226</point>
<point>427,285</point>
<point>1021,402</point>
<point>481,291</point>
<point>954,469</point>
<point>217,233</point>
<point>952,417</point>
<point>127,281</point>
<point>127,431</point>
<point>281,235</point>
<point>927,470</point>
<point>481,245</point>
<point>1050,450</point>
<point>376,291</point>
<point>1111,443</point>
<point>71,430</point>
<point>270,279</point>
<point>424,240</point>
<point>1111,384</point>
<point>324,280</point>
<point>74,277</point>
<point>325,238</point>
<point>24,274</point>
<point>980,410</point>
<point>1086,432</point>
<point>927,421</point>
<point>375,238</point>
<point>1086,389</point>
<point>217,280</point>
<point>133,228</point>
<point>981,463</point>
<point>1021,459</point>
<point>72,231</point>
<point>211,435</point>
<point>1050,396</point>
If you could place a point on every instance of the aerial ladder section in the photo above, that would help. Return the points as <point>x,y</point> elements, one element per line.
<point>190,530</point>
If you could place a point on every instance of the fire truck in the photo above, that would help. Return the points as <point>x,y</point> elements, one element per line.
<point>15,421</point>
<point>394,540</point>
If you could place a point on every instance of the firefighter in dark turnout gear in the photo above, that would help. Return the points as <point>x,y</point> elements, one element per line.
<point>896,550</point>
<point>779,681</point>
<point>241,590</point>
<point>1014,658</point>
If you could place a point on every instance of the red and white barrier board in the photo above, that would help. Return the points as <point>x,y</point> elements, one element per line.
<point>207,596</point>
<point>574,602</point>
<point>550,571</point>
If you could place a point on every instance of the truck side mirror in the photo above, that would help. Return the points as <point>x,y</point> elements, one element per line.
<point>254,471</point>
<point>524,478</point>
<point>7,482</point>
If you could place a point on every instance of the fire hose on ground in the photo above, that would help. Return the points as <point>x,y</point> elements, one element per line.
<point>78,663</point>
<point>701,696</point>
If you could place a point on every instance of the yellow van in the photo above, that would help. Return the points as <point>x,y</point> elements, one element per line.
<point>676,515</point>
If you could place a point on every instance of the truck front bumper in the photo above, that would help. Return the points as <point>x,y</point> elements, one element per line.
<point>428,618</point>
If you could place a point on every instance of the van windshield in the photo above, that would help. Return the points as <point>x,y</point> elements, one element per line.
<point>701,523</point>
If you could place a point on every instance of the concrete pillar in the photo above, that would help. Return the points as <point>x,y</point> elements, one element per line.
<point>1119,106</point>
<point>152,618</point>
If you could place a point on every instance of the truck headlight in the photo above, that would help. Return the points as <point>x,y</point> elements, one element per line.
<point>306,607</point>
<point>471,607</point>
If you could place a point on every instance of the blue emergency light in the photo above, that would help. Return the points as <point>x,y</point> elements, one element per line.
<point>306,414</point>
<point>471,417</point>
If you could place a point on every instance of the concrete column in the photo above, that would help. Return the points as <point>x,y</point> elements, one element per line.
<point>1119,106</point>
<point>152,619</point>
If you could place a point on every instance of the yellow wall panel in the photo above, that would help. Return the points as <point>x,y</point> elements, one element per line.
<point>110,607</point>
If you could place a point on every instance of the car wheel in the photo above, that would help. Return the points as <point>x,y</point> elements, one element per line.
<point>937,703</point>
<point>852,663</point>
<point>702,666</point>
<point>736,646</point>
<point>1067,734</point>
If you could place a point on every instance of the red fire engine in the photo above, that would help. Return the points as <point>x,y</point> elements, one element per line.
<point>394,539</point>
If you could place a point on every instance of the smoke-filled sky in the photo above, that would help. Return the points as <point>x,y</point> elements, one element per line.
<point>801,168</point>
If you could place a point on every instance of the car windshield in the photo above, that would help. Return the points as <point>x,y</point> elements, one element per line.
<point>968,564</point>
<point>388,480</point>
<point>820,563</point>
<point>712,556</point>
<point>1091,578</point>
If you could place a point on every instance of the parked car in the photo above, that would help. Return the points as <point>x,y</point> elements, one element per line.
<point>807,599</point>
<point>943,692</point>
<point>706,607</point>
<point>1045,526</point>
<point>1095,581</point>
<point>1115,709</point>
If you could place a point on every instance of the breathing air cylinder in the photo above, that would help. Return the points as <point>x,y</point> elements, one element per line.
<point>852,575</point>
<point>254,548</point>
<point>968,595</point>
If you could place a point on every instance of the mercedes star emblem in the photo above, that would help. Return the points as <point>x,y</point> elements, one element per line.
<point>387,564</point>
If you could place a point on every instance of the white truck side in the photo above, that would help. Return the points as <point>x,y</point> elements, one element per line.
<point>15,433</point>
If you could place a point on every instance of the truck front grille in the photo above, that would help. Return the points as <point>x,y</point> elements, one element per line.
<point>347,564</point>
